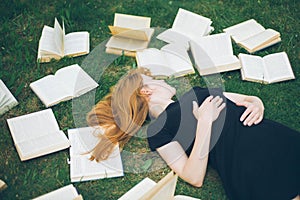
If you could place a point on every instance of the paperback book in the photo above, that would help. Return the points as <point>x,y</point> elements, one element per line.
<point>170,60</point>
<point>271,68</point>
<point>83,140</point>
<point>148,189</point>
<point>253,36</point>
<point>214,54</point>
<point>67,83</point>
<point>37,134</point>
<point>130,33</point>
<point>187,26</point>
<point>7,99</point>
<point>55,44</point>
<point>68,192</point>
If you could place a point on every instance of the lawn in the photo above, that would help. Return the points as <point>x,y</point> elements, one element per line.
<point>21,25</point>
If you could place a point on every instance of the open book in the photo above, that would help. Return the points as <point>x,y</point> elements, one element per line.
<point>148,189</point>
<point>170,60</point>
<point>214,54</point>
<point>7,99</point>
<point>37,134</point>
<point>68,192</point>
<point>55,44</point>
<point>129,34</point>
<point>186,26</point>
<point>67,83</point>
<point>83,140</point>
<point>271,68</point>
<point>253,36</point>
<point>3,185</point>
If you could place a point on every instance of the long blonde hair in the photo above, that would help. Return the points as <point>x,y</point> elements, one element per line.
<point>121,113</point>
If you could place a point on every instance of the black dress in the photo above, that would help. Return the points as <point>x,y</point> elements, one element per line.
<point>257,162</point>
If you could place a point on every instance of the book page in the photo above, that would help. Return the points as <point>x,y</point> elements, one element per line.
<point>172,36</point>
<point>150,56</point>
<point>68,192</point>
<point>226,61</point>
<point>191,24</point>
<point>244,30</point>
<point>7,100</point>
<point>184,197</point>
<point>139,189</point>
<point>164,189</point>
<point>77,43</point>
<point>81,168</point>
<point>33,125</point>
<point>42,145</point>
<point>177,65</point>
<point>216,45</point>
<point>50,90</point>
<point>177,50</point>
<point>75,79</point>
<point>131,21</point>
<point>201,57</point>
<point>257,40</point>
<point>126,44</point>
<point>59,37</point>
<point>278,67</point>
<point>213,54</point>
<point>47,42</point>
<point>138,34</point>
<point>252,66</point>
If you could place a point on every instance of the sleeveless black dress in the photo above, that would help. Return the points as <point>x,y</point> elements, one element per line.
<point>257,162</point>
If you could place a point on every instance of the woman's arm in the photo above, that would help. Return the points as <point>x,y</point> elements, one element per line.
<point>255,107</point>
<point>193,168</point>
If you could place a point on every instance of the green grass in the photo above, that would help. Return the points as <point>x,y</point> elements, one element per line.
<point>21,25</point>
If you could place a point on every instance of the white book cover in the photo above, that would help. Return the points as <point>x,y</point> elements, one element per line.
<point>83,140</point>
<point>67,83</point>
<point>170,60</point>
<point>7,99</point>
<point>37,134</point>
<point>68,192</point>
<point>268,69</point>
<point>214,54</point>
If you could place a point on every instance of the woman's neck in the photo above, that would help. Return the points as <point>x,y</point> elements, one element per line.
<point>158,107</point>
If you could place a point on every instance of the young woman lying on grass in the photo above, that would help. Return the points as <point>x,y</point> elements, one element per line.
<point>255,158</point>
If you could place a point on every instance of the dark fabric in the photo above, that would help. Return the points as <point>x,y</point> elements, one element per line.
<point>257,162</point>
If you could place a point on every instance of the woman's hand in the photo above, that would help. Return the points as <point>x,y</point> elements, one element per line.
<point>254,110</point>
<point>210,108</point>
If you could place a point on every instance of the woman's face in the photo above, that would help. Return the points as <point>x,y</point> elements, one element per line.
<point>157,88</point>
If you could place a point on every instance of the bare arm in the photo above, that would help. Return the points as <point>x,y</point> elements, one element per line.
<point>255,107</point>
<point>193,168</point>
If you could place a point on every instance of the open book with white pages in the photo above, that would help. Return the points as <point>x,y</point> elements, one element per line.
<point>170,60</point>
<point>55,44</point>
<point>67,83</point>
<point>37,134</point>
<point>7,99</point>
<point>130,33</point>
<point>186,26</point>
<point>271,68</point>
<point>83,140</point>
<point>67,192</point>
<point>253,36</point>
<point>214,54</point>
<point>148,189</point>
